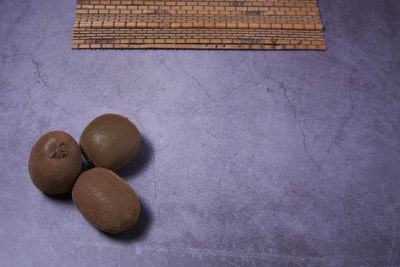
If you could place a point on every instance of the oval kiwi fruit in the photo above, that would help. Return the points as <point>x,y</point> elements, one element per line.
<point>106,200</point>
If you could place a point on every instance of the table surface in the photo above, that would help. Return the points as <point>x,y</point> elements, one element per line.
<point>250,158</point>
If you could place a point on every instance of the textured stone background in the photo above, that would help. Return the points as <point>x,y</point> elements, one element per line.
<point>250,158</point>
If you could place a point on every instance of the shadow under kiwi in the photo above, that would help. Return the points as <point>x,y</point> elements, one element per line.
<point>85,165</point>
<point>65,198</point>
<point>139,162</point>
<point>139,230</point>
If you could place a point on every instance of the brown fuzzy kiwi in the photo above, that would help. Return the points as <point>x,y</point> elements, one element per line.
<point>110,141</point>
<point>55,162</point>
<point>106,200</point>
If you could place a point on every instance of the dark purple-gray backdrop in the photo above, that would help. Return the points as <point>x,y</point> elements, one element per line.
<point>258,158</point>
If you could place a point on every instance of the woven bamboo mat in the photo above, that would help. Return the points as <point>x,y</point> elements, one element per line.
<point>198,24</point>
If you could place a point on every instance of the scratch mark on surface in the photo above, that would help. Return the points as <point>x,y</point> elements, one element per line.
<point>17,127</point>
<point>17,20</point>
<point>5,56</point>
<point>39,80</point>
<point>52,250</point>
<point>267,65</point>
<point>38,73</point>
<point>339,135</point>
<point>182,127</point>
<point>201,85</point>
<point>300,126</point>
<point>63,109</point>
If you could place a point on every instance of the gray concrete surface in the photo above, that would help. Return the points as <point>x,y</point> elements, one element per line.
<point>250,159</point>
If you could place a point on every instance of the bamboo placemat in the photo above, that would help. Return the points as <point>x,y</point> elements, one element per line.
<point>201,24</point>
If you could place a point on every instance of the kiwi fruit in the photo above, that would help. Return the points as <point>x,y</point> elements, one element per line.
<point>110,141</point>
<point>55,162</point>
<point>106,200</point>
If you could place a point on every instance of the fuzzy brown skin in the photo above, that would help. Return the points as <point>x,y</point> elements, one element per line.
<point>110,141</point>
<point>106,200</point>
<point>55,163</point>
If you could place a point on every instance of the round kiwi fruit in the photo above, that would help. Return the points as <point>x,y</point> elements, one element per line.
<point>110,141</point>
<point>55,162</point>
